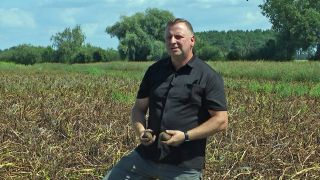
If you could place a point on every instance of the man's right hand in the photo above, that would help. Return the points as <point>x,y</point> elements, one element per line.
<point>147,137</point>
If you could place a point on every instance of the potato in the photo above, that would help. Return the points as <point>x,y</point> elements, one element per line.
<point>164,136</point>
<point>147,135</point>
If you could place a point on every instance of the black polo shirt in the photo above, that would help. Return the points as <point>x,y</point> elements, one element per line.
<point>180,100</point>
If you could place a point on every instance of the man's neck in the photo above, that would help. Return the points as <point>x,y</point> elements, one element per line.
<point>179,62</point>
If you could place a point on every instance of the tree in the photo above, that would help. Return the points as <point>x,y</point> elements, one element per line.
<point>82,56</point>
<point>26,54</point>
<point>297,21</point>
<point>206,51</point>
<point>140,33</point>
<point>111,55</point>
<point>6,55</point>
<point>233,55</point>
<point>158,50</point>
<point>90,54</point>
<point>48,55</point>
<point>232,44</point>
<point>68,43</point>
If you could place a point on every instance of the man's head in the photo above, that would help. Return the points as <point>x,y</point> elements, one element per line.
<point>179,37</point>
<point>180,20</point>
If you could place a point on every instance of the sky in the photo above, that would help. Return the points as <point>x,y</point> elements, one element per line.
<point>36,21</point>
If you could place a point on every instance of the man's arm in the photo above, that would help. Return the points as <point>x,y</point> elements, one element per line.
<point>217,122</point>
<point>138,119</point>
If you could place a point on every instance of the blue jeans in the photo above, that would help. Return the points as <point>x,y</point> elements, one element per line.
<point>134,167</point>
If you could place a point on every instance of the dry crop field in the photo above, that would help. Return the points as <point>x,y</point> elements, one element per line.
<point>72,122</point>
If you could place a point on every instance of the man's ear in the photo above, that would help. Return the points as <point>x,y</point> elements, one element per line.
<point>193,40</point>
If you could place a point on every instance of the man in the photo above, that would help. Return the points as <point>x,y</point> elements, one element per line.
<point>185,98</point>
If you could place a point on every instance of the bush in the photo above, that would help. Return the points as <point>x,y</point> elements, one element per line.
<point>48,55</point>
<point>89,53</point>
<point>233,55</point>
<point>28,54</point>
<point>83,56</point>
<point>112,55</point>
<point>209,52</point>
<point>23,54</point>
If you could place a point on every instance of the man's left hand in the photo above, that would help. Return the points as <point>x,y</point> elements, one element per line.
<point>177,138</point>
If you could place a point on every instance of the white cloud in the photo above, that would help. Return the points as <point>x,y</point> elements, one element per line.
<point>15,17</point>
<point>235,2</point>
<point>68,15</point>
<point>48,17</point>
<point>41,3</point>
<point>252,18</point>
<point>210,4</point>
<point>143,3</point>
<point>90,29</point>
<point>137,1</point>
<point>53,30</point>
<point>110,1</point>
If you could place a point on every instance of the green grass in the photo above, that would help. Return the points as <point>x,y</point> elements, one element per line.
<point>262,70</point>
<point>281,78</point>
<point>280,88</point>
<point>276,71</point>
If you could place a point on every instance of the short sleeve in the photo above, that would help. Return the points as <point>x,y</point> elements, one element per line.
<point>215,98</point>
<point>144,88</point>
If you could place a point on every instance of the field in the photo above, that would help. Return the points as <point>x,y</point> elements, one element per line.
<point>73,121</point>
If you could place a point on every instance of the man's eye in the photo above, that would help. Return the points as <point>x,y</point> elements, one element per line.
<point>175,36</point>
<point>178,37</point>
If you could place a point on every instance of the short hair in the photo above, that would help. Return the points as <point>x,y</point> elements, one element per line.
<point>180,20</point>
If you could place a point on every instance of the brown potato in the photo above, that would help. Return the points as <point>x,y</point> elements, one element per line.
<point>147,135</point>
<point>164,136</point>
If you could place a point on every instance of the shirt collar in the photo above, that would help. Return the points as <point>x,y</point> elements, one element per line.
<point>191,63</point>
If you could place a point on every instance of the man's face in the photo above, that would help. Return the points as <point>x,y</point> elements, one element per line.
<point>179,40</point>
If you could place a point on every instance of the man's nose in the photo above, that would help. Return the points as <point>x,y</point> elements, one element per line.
<point>172,40</point>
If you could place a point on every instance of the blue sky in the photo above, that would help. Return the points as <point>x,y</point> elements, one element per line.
<point>35,21</point>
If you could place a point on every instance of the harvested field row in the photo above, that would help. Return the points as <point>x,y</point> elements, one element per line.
<point>76,126</point>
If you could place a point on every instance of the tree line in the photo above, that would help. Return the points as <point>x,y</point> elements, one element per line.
<point>295,34</point>
<point>67,47</point>
<point>141,35</point>
<point>235,45</point>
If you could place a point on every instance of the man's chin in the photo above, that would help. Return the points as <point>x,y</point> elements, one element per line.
<point>176,53</point>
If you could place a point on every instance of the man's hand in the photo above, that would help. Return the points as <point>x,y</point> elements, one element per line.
<point>147,137</point>
<point>177,138</point>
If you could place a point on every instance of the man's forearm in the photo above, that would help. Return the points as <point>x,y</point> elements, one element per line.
<point>138,121</point>
<point>138,127</point>
<point>213,125</point>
